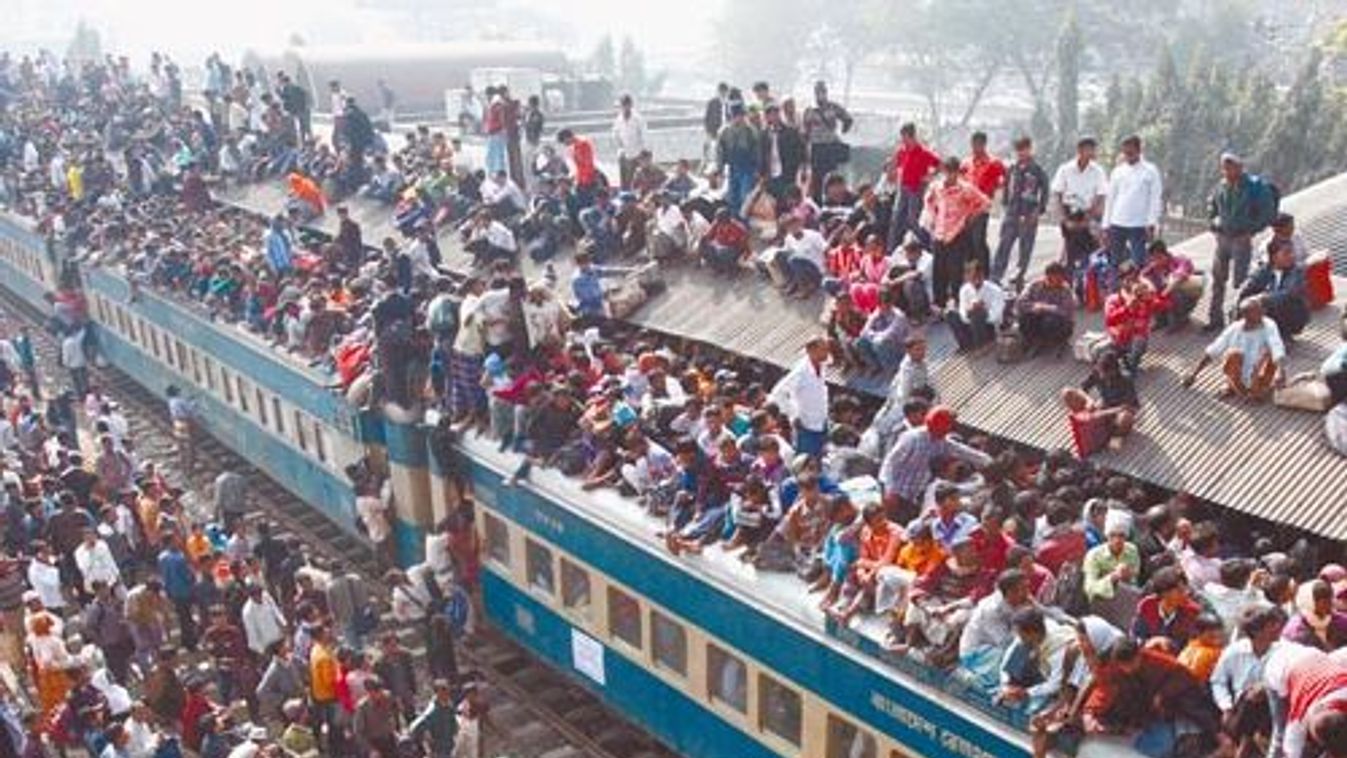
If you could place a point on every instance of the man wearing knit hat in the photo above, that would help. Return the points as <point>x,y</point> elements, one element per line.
<point>907,468</point>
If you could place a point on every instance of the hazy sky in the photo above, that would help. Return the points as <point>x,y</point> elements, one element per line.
<point>190,27</point>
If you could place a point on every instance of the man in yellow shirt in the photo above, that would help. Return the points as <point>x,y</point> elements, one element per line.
<point>74,177</point>
<point>323,674</point>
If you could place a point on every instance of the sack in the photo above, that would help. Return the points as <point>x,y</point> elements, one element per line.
<point>624,299</point>
<point>1088,345</point>
<point>1304,394</point>
<point>1090,433</point>
<point>1319,279</point>
<point>1009,347</point>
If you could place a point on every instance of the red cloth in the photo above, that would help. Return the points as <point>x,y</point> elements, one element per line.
<point>582,152</point>
<point>991,550</point>
<point>1311,679</point>
<point>843,260</point>
<point>986,173</point>
<point>1126,322</point>
<point>911,165</point>
<point>1060,549</point>
<point>351,361</point>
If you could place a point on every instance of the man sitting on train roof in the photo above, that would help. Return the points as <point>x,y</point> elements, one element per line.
<point>1177,287</point>
<point>1251,352</point>
<point>1280,283</point>
<point>1046,312</point>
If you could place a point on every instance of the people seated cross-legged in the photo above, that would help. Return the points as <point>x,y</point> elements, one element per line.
<point>1046,311</point>
<point>1127,319</point>
<point>725,245</point>
<point>489,240</point>
<point>1251,353</point>
<point>1177,286</point>
<point>1281,285</point>
<point>1113,414</point>
<point>883,339</point>
<point>982,305</point>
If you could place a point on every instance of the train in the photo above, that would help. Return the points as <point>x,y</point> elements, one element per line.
<point>708,656</point>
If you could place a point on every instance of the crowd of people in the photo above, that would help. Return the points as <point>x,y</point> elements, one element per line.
<point>1084,602</point>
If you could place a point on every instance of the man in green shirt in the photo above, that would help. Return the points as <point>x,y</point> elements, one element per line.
<point>1107,565</point>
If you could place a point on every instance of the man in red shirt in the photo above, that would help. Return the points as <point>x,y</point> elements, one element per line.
<point>586,174</point>
<point>725,244</point>
<point>987,173</point>
<point>911,167</point>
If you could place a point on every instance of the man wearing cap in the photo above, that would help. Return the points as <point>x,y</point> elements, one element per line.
<point>802,394</point>
<point>1133,204</point>
<point>1240,207</point>
<point>906,470</point>
<point>629,137</point>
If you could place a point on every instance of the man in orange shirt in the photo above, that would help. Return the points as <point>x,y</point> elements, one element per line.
<point>987,173</point>
<point>306,196</point>
<point>586,173</point>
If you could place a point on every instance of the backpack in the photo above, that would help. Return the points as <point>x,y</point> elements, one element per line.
<point>1269,197</point>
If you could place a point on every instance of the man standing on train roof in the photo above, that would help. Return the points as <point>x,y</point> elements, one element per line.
<point>630,138</point>
<point>802,394</point>
<point>295,102</point>
<point>1133,204</point>
<point>582,157</point>
<point>1240,208</point>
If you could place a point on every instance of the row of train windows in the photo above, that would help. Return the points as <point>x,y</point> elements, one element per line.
<point>780,711</point>
<point>205,373</point>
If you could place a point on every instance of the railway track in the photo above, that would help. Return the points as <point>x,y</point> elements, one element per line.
<point>541,713</point>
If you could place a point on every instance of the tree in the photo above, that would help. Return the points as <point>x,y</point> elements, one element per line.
<point>631,76</point>
<point>1069,46</point>
<point>603,60</point>
<point>86,46</point>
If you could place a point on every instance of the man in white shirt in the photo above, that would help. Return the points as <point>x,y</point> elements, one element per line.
<point>489,240</point>
<point>1080,184</point>
<point>982,305</point>
<point>94,559</point>
<point>802,394</point>
<point>800,258</point>
<point>1252,355</point>
<point>45,579</point>
<point>629,136</point>
<point>1133,205</point>
<point>503,196</point>
<point>263,624</point>
<point>75,361</point>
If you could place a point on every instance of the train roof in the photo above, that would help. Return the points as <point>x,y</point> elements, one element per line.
<point>410,52</point>
<point>1265,461</point>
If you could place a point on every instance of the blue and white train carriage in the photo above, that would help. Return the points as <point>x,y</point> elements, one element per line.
<point>709,656</point>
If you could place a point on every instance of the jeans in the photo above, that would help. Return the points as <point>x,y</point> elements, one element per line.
<point>1015,229</point>
<point>742,179</point>
<point>79,380</point>
<point>809,441</point>
<point>906,212</point>
<point>882,354</point>
<point>972,332</point>
<point>1230,248</point>
<point>1129,241</point>
<point>495,153</point>
<point>801,273</point>
<point>1132,353</point>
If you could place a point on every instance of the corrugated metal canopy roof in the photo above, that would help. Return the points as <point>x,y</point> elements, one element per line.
<point>1264,461</point>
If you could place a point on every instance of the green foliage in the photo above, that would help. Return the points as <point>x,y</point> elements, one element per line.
<point>603,60</point>
<point>86,45</point>
<point>1294,137</point>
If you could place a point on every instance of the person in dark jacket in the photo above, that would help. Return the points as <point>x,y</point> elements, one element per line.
<point>783,152</point>
<point>1241,206</point>
<point>1281,284</point>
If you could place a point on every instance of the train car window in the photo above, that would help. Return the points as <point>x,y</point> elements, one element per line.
<point>154,342</point>
<point>726,679</point>
<point>497,540</point>
<point>575,590</point>
<point>182,355</point>
<point>261,406</point>
<point>669,643</point>
<point>624,617</point>
<point>846,741</point>
<point>779,709</point>
<point>278,415</point>
<point>300,437</point>
<point>243,394</point>
<point>319,443</point>
<point>538,566</point>
<point>196,367</point>
<point>140,325</point>
<point>210,373</point>
<point>227,381</point>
